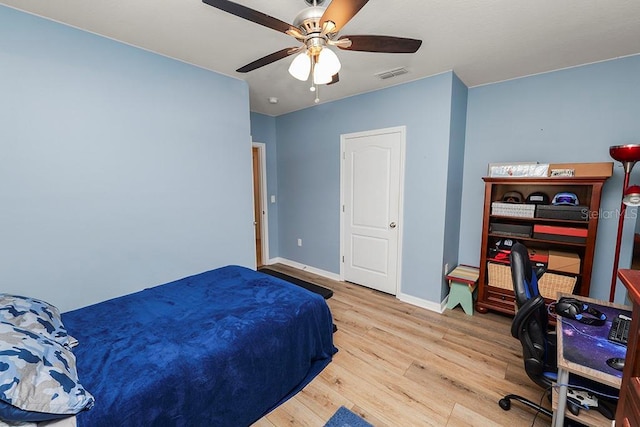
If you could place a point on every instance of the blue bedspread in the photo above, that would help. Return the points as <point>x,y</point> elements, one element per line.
<point>221,348</point>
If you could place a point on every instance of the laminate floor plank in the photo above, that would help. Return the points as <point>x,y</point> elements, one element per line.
<point>465,417</point>
<point>293,413</point>
<point>322,398</point>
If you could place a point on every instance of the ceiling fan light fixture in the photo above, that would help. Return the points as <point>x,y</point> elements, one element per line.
<point>300,66</point>
<point>328,64</point>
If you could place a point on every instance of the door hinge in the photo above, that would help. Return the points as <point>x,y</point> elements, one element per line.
<point>342,258</point>
<point>342,208</point>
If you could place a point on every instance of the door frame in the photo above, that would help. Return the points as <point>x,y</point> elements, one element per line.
<point>403,142</point>
<point>264,221</point>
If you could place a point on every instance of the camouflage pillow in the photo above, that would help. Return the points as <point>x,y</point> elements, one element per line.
<point>33,315</point>
<point>38,374</point>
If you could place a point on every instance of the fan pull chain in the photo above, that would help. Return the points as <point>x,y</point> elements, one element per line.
<point>313,73</point>
<point>314,86</point>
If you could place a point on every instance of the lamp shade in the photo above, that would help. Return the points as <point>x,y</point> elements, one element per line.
<point>328,64</point>
<point>625,153</point>
<point>300,66</point>
<point>632,196</point>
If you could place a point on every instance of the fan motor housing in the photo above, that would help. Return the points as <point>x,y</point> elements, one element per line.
<point>308,20</point>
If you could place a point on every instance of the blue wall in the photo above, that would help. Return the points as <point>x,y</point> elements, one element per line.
<point>119,169</point>
<point>454,177</point>
<point>571,115</point>
<point>309,175</point>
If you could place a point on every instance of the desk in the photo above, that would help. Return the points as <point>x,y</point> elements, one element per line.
<point>628,413</point>
<point>583,350</point>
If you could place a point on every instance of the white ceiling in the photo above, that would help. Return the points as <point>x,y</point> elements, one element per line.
<point>483,41</point>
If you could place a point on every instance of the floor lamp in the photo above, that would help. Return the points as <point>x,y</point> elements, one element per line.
<point>628,155</point>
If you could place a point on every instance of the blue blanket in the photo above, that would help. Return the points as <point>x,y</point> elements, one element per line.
<point>221,348</point>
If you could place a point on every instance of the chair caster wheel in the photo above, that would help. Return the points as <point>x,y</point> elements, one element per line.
<point>505,404</point>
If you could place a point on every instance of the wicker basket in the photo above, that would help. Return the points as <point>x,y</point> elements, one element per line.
<point>500,276</point>
<point>549,285</point>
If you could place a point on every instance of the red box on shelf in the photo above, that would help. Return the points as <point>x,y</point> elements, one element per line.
<point>538,256</point>
<point>560,234</point>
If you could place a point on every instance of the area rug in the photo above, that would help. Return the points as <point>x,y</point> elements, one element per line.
<point>326,293</point>
<point>345,418</point>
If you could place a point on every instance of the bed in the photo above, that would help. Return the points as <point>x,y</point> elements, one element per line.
<point>221,348</point>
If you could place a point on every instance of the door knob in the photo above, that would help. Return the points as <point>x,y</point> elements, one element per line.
<point>392,225</point>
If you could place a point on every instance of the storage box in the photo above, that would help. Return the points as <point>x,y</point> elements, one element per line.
<point>560,234</point>
<point>550,284</point>
<point>511,230</point>
<point>602,169</point>
<point>513,209</point>
<point>538,256</point>
<point>518,169</point>
<point>573,213</point>
<point>567,262</point>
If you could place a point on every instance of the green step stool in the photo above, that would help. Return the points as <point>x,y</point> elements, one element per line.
<point>463,281</point>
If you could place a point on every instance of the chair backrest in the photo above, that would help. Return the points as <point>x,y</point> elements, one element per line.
<point>531,321</point>
<point>525,279</point>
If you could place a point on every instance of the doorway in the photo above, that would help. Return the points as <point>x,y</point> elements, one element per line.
<point>371,195</point>
<point>260,222</point>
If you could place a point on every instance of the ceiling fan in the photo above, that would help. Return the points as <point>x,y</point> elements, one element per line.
<point>316,28</point>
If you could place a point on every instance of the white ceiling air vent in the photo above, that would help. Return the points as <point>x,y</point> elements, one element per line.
<point>392,73</point>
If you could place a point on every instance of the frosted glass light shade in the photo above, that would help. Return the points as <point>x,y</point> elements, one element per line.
<point>320,77</point>
<point>632,196</point>
<point>300,66</point>
<point>328,64</point>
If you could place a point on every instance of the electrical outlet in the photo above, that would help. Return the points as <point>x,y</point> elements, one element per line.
<point>299,242</point>
<point>446,268</point>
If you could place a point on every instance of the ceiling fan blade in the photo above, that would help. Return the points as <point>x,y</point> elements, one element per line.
<point>334,79</point>
<point>383,44</point>
<point>266,60</point>
<point>340,12</point>
<point>250,14</point>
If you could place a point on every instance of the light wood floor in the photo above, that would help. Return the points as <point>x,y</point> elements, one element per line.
<point>401,365</point>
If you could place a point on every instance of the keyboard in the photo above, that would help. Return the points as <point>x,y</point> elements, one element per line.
<point>619,332</point>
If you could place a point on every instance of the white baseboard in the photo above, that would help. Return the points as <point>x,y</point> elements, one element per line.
<point>423,303</point>
<point>294,264</point>
<point>419,302</point>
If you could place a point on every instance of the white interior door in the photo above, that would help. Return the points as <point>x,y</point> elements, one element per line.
<point>371,192</point>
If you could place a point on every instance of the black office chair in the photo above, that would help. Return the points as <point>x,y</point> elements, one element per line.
<point>530,326</point>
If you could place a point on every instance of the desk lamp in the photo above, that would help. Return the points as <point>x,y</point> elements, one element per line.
<point>628,155</point>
